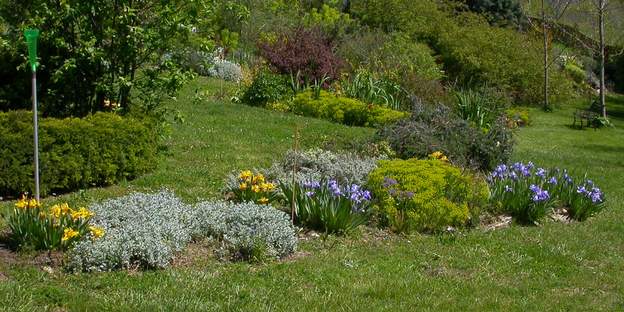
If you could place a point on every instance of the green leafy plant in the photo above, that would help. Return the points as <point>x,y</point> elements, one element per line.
<point>425,195</point>
<point>113,48</point>
<point>56,228</point>
<point>267,88</point>
<point>366,88</point>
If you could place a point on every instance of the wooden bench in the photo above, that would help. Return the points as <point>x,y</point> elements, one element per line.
<point>584,115</point>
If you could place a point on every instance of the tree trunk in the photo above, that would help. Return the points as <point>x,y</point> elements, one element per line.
<point>601,12</point>
<point>346,6</point>
<point>545,35</point>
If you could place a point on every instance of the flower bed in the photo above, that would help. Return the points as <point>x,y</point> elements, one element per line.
<point>528,192</point>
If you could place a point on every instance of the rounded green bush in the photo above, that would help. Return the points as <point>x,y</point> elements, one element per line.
<point>100,149</point>
<point>266,88</point>
<point>343,110</point>
<point>425,195</point>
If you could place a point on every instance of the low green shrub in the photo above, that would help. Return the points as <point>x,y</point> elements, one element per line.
<point>343,110</point>
<point>425,195</point>
<point>75,153</point>
<point>266,88</point>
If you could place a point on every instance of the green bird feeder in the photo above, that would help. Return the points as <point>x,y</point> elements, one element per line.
<point>31,39</point>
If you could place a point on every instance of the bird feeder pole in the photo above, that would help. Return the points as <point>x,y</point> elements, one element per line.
<point>31,39</point>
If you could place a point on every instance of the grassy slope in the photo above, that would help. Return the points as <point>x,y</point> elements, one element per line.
<point>553,267</point>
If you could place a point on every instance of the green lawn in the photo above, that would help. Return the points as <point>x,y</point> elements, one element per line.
<point>553,267</point>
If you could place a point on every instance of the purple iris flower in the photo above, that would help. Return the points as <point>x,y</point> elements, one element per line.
<point>534,188</point>
<point>530,165</point>
<point>334,187</point>
<point>553,181</point>
<point>542,195</point>
<point>312,184</point>
<point>309,193</point>
<point>595,195</point>
<point>513,176</point>
<point>508,188</point>
<point>581,189</point>
<point>540,172</point>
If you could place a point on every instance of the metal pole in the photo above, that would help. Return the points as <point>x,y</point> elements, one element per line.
<point>36,132</point>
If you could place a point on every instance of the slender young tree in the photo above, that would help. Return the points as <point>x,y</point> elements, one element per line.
<point>551,12</point>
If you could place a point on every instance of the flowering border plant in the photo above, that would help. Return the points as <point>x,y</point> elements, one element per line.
<point>327,206</point>
<point>47,229</point>
<point>254,187</point>
<point>528,193</point>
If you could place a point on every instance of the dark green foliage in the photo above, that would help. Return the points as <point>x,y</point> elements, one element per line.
<point>266,88</point>
<point>473,52</point>
<point>94,51</point>
<point>439,129</point>
<point>500,12</point>
<point>99,149</point>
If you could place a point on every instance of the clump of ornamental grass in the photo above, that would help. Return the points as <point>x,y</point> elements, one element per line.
<point>528,193</point>
<point>58,227</point>
<point>327,206</point>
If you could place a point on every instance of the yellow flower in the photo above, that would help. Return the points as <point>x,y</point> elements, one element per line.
<point>55,211</point>
<point>33,203</point>
<point>242,186</point>
<point>255,188</point>
<point>65,208</point>
<point>263,201</point>
<point>97,232</point>
<point>258,179</point>
<point>267,187</point>
<point>245,175</point>
<point>22,203</point>
<point>83,213</point>
<point>69,233</point>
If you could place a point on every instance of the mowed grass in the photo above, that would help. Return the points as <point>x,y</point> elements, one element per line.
<point>553,267</point>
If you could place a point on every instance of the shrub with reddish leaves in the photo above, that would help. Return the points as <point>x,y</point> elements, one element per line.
<point>305,53</point>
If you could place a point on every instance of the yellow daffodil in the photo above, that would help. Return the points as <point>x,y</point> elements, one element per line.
<point>69,233</point>
<point>256,188</point>
<point>263,201</point>
<point>83,213</point>
<point>97,232</point>
<point>33,203</point>
<point>65,209</point>
<point>55,211</point>
<point>242,186</point>
<point>258,179</point>
<point>267,187</point>
<point>245,175</point>
<point>22,203</point>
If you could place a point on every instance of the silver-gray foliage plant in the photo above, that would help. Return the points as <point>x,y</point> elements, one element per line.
<point>244,228</point>
<point>141,230</point>
<point>315,164</point>
<point>147,230</point>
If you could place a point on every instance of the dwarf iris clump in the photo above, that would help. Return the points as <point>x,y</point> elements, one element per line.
<point>528,192</point>
<point>327,205</point>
